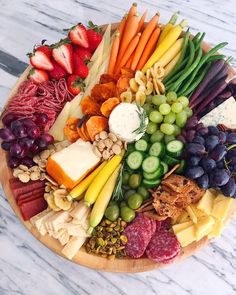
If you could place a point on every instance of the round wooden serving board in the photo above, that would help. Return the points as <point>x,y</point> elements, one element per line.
<point>82,257</point>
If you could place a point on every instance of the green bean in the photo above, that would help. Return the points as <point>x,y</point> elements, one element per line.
<point>195,38</point>
<point>189,70</point>
<point>199,43</point>
<point>196,82</point>
<point>216,57</point>
<point>182,55</point>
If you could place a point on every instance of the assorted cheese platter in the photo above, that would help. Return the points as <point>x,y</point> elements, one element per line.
<point>119,142</point>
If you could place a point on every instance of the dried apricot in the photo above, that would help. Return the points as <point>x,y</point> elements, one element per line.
<point>95,125</point>
<point>90,106</point>
<point>70,130</point>
<point>102,92</point>
<point>108,106</point>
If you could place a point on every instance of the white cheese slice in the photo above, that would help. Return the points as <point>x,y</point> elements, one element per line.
<point>225,114</point>
<point>73,246</point>
<point>53,223</point>
<point>64,238</point>
<point>80,211</point>
<point>124,120</point>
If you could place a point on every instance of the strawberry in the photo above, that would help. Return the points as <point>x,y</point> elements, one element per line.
<point>94,36</point>
<point>38,76</point>
<point>58,72</point>
<point>80,67</point>
<point>40,60</point>
<point>74,84</point>
<point>78,35</point>
<point>83,53</point>
<point>62,53</point>
<point>45,49</point>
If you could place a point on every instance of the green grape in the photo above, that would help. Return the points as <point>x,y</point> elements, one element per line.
<point>149,99</point>
<point>148,108</point>
<point>181,119</point>
<point>156,117</point>
<point>151,128</point>
<point>169,118</point>
<point>167,128</point>
<point>169,138</point>
<point>183,100</point>
<point>189,112</point>
<point>171,97</point>
<point>176,107</point>
<point>157,136</point>
<point>164,108</point>
<point>158,99</point>
<point>177,130</point>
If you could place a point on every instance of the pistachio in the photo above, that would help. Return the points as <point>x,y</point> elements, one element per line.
<point>123,239</point>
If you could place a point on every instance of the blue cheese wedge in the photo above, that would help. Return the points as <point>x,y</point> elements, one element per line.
<point>125,120</point>
<point>225,114</point>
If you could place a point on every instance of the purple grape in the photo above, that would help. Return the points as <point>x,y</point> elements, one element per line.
<point>181,138</point>
<point>220,177</point>
<point>28,162</point>
<point>229,188</point>
<point>191,123</point>
<point>194,172</point>
<point>199,139</point>
<point>231,153</point>
<point>35,148</point>
<point>190,134</point>
<point>195,149</point>
<point>28,142</point>
<point>193,161</point>
<point>220,164</point>
<point>41,119</point>
<point>203,181</point>
<point>231,138</point>
<point>211,142</point>
<point>27,122</point>
<point>213,130</point>
<point>19,132</point>
<point>200,126</point>
<point>207,164</point>
<point>7,119</point>
<point>222,137</point>
<point>24,152</point>
<point>13,162</point>
<point>202,131</point>
<point>6,145</point>
<point>219,152</point>
<point>49,139</point>
<point>16,124</point>
<point>15,150</point>
<point>34,132</point>
<point>6,134</point>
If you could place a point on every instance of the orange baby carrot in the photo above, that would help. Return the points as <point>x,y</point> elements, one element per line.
<point>130,49</point>
<point>141,22</point>
<point>149,49</point>
<point>114,53</point>
<point>132,10</point>
<point>129,62</point>
<point>144,39</point>
<point>129,32</point>
<point>121,26</point>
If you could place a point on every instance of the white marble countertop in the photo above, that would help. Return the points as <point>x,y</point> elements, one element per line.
<point>28,267</point>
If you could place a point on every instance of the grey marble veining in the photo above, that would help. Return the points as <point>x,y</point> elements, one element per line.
<point>29,268</point>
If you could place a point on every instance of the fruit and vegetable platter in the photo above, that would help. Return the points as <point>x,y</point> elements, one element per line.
<point>118,143</point>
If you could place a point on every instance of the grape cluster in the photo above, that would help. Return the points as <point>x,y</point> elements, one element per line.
<point>167,114</point>
<point>211,157</point>
<point>23,138</point>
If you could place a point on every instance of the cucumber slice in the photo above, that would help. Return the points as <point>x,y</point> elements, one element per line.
<point>151,164</point>
<point>165,167</point>
<point>175,148</point>
<point>181,168</point>
<point>135,160</point>
<point>141,145</point>
<point>170,161</point>
<point>130,148</point>
<point>157,149</point>
<point>155,175</point>
<point>151,183</point>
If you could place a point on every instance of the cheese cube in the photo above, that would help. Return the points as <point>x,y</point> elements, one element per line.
<point>221,207</point>
<point>191,214</point>
<point>206,202</point>
<point>217,229</point>
<point>183,217</point>
<point>204,226</point>
<point>70,165</point>
<point>197,212</point>
<point>181,226</point>
<point>186,236</point>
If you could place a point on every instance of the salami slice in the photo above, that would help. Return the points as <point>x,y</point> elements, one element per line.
<point>165,224</point>
<point>144,223</point>
<point>163,246</point>
<point>170,260</point>
<point>153,226</point>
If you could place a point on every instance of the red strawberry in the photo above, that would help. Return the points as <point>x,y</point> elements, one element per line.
<point>94,36</point>
<point>38,76</point>
<point>58,72</point>
<point>83,53</point>
<point>45,49</point>
<point>78,35</point>
<point>74,84</point>
<point>40,60</point>
<point>63,54</point>
<point>80,67</point>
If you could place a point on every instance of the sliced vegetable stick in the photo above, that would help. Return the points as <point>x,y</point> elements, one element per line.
<point>171,52</point>
<point>144,40</point>
<point>129,33</point>
<point>141,22</point>
<point>149,49</point>
<point>114,53</point>
<point>171,65</point>
<point>130,49</point>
